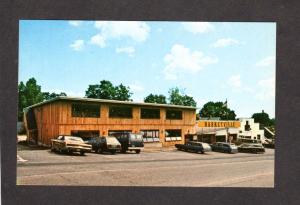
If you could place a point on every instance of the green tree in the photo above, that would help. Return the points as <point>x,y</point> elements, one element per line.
<point>161,99</point>
<point>106,90</point>
<point>29,94</point>
<point>217,109</point>
<point>48,96</point>
<point>179,98</point>
<point>122,93</point>
<point>263,119</point>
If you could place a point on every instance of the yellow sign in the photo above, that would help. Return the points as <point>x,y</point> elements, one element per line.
<point>217,123</point>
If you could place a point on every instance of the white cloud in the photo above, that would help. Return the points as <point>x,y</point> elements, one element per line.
<point>135,30</point>
<point>182,60</point>
<point>266,62</point>
<point>98,40</point>
<point>236,85</point>
<point>198,27</point>
<point>75,23</point>
<point>77,45</point>
<point>223,42</point>
<point>266,89</point>
<point>235,81</point>
<point>136,87</point>
<point>128,50</point>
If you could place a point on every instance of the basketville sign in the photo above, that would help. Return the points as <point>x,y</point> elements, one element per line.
<point>211,123</point>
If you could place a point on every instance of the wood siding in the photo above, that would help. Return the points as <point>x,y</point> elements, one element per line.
<point>55,118</point>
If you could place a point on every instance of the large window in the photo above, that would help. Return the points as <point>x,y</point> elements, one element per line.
<point>173,135</point>
<point>174,114</point>
<point>150,113</point>
<point>150,135</point>
<point>85,110</point>
<point>120,111</point>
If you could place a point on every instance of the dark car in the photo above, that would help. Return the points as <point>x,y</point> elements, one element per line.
<point>192,146</point>
<point>224,147</point>
<point>130,141</point>
<point>104,144</point>
<point>251,148</point>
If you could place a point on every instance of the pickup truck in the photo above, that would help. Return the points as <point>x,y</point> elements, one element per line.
<point>193,146</point>
<point>65,143</point>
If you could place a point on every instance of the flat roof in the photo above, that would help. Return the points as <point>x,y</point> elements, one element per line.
<point>65,98</point>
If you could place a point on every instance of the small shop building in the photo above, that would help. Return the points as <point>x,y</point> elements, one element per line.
<point>211,130</point>
<point>162,125</point>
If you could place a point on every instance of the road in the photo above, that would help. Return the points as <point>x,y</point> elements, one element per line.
<point>149,168</point>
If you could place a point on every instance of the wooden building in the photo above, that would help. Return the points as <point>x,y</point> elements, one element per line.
<point>160,124</point>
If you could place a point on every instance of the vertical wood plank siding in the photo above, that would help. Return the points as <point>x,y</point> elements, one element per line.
<point>55,118</point>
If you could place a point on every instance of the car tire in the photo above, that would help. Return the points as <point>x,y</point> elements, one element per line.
<point>113,151</point>
<point>82,153</point>
<point>137,151</point>
<point>123,151</point>
<point>99,150</point>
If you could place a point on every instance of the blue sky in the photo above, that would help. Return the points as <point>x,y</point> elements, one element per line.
<point>207,60</point>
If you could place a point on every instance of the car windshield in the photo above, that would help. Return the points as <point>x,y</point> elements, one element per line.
<point>112,140</point>
<point>136,137</point>
<point>73,138</point>
<point>205,145</point>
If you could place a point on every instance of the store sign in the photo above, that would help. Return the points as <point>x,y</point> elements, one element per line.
<point>210,123</point>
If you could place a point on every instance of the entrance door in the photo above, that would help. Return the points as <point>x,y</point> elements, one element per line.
<point>221,138</point>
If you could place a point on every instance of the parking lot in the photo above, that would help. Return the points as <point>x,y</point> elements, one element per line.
<point>149,168</point>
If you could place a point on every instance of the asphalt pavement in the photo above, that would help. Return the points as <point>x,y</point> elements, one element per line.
<point>149,168</point>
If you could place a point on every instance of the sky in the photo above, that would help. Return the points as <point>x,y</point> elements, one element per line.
<point>210,61</point>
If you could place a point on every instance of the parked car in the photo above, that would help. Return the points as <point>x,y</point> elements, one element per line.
<point>104,144</point>
<point>193,146</point>
<point>65,143</point>
<point>251,148</point>
<point>130,141</point>
<point>224,147</point>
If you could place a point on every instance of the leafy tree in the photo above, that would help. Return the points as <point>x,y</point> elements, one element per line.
<point>178,98</point>
<point>48,96</point>
<point>29,94</point>
<point>161,99</point>
<point>106,90</point>
<point>217,109</point>
<point>263,119</point>
<point>122,93</point>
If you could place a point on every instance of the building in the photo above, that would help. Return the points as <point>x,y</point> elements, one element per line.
<point>160,124</point>
<point>216,130</point>
<point>250,130</point>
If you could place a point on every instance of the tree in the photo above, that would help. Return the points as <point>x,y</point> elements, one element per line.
<point>29,94</point>
<point>179,98</point>
<point>263,119</point>
<point>217,109</point>
<point>106,90</point>
<point>122,93</point>
<point>48,96</point>
<point>161,99</point>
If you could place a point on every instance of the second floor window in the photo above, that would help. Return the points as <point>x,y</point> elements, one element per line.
<point>85,110</point>
<point>150,113</point>
<point>174,114</point>
<point>120,111</point>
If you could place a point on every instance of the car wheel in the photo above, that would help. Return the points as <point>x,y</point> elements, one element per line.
<point>100,150</point>
<point>81,153</point>
<point>202,152</point>
<point>137,151</point>
<point>113,151</point>
<point>123,151</point>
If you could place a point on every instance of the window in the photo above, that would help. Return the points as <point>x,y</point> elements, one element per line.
<point>150,113</point>
<point>85,110</point>
<point>120,111</point>
<point>258,137</point>
<point>173,135</point>
<point>150,135</point>
<point>174,114</point>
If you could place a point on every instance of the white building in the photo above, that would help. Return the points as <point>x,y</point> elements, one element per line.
<point>250,130</point>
